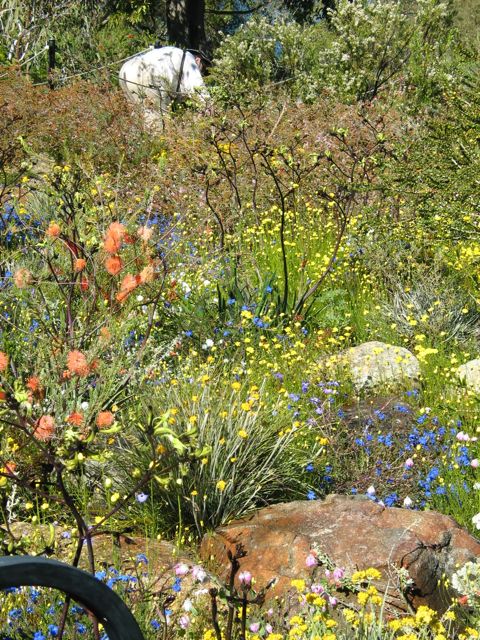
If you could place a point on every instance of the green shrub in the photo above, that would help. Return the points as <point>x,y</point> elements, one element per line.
<point>251,453</point>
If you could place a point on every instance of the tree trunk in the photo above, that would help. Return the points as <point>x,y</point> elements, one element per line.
<point>186,23</point>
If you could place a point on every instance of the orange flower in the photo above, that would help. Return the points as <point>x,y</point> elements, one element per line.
<point>35,387</point>
<point>45,429</point>
<point>84,284</point>
<point>3,395</point>
<point>80,264</point>
<point>105,333</point>
<point>111,244</point>
<point>105,419</point>
<point>77,363</point>
<point>33,383</point>
<point>129,283</point>
<point>113,237</point>
<point>116,230</point>
<point>3,361</point>
<point>145,233</point>
<point>147,274</point>
<point>53,230</point>
<point>10,467</point>
<point>75,418</point>
<point>113,265</point>
<point>22,278</point>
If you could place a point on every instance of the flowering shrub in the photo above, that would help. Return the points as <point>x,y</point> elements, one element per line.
<point>67,369</point>
<point>379,44</point>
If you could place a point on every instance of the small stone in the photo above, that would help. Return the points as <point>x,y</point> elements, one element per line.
<point>469,374</point>
<point>375,364</point>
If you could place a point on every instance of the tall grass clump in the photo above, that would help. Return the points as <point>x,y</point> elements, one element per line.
<point>250,454</point>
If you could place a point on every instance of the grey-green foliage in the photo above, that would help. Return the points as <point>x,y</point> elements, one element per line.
<point>266,52</point>
<point>256,453</point>
<point>382,44</point>
<point>443,310</point>
<point>366,48</point>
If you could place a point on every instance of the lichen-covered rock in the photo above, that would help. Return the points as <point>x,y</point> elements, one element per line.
<point>375,364</point>
<point>355,533</point>
<point>469,374</point>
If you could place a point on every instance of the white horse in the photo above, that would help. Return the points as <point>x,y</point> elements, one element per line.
<point>155,78</point>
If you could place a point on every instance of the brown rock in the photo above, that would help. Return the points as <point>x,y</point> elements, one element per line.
<point>355,533</point>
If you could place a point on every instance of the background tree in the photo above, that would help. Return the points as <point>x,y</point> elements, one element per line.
<point>186,23</point>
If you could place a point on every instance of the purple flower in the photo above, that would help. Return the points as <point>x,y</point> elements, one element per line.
<point>254,627</point>
<point>338,573</point>
<point>141,497</point>
<point>245,577</point>
<point>310,560</point>
<point>184,621</point>
<point>181,569</point>
<point>317,588</point>
<point>199,574</point>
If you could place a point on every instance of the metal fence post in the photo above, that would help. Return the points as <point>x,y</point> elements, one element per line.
<point>52,50</point>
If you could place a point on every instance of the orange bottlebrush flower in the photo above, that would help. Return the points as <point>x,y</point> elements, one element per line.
<point>79,264</point>
<point>53,230</point>
<point>77,363</point>
<point>105,333</point>
<point>111,244</point>
<point>33,383</point>
<point>22,278</point>
<point>113,265</point>
<point>75,418</point>
<point>147,274</point>
<point>3,361</point>
<point>66,375</point>
<point>45,429</point>
<point>116,230</point>
<point>122,295</point>
<point>3,395</point>
<point>145,233</point>
<point>113,237</point>
<point>10,467</point>
<point>129,283</point>
<point>105,419</point>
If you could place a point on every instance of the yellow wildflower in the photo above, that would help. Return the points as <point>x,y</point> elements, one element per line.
<point>373,574</point>
<point>298,584</point>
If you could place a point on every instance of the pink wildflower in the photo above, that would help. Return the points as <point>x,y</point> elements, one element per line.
<point>181,569</point>
<point>311,560</point>
<point>245,577</point>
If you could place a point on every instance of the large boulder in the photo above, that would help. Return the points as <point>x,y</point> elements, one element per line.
<point>469,374</point>
<point>355,533</point>
<point>376,364</point>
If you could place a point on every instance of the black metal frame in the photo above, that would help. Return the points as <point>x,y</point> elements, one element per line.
<point>109,609</point>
